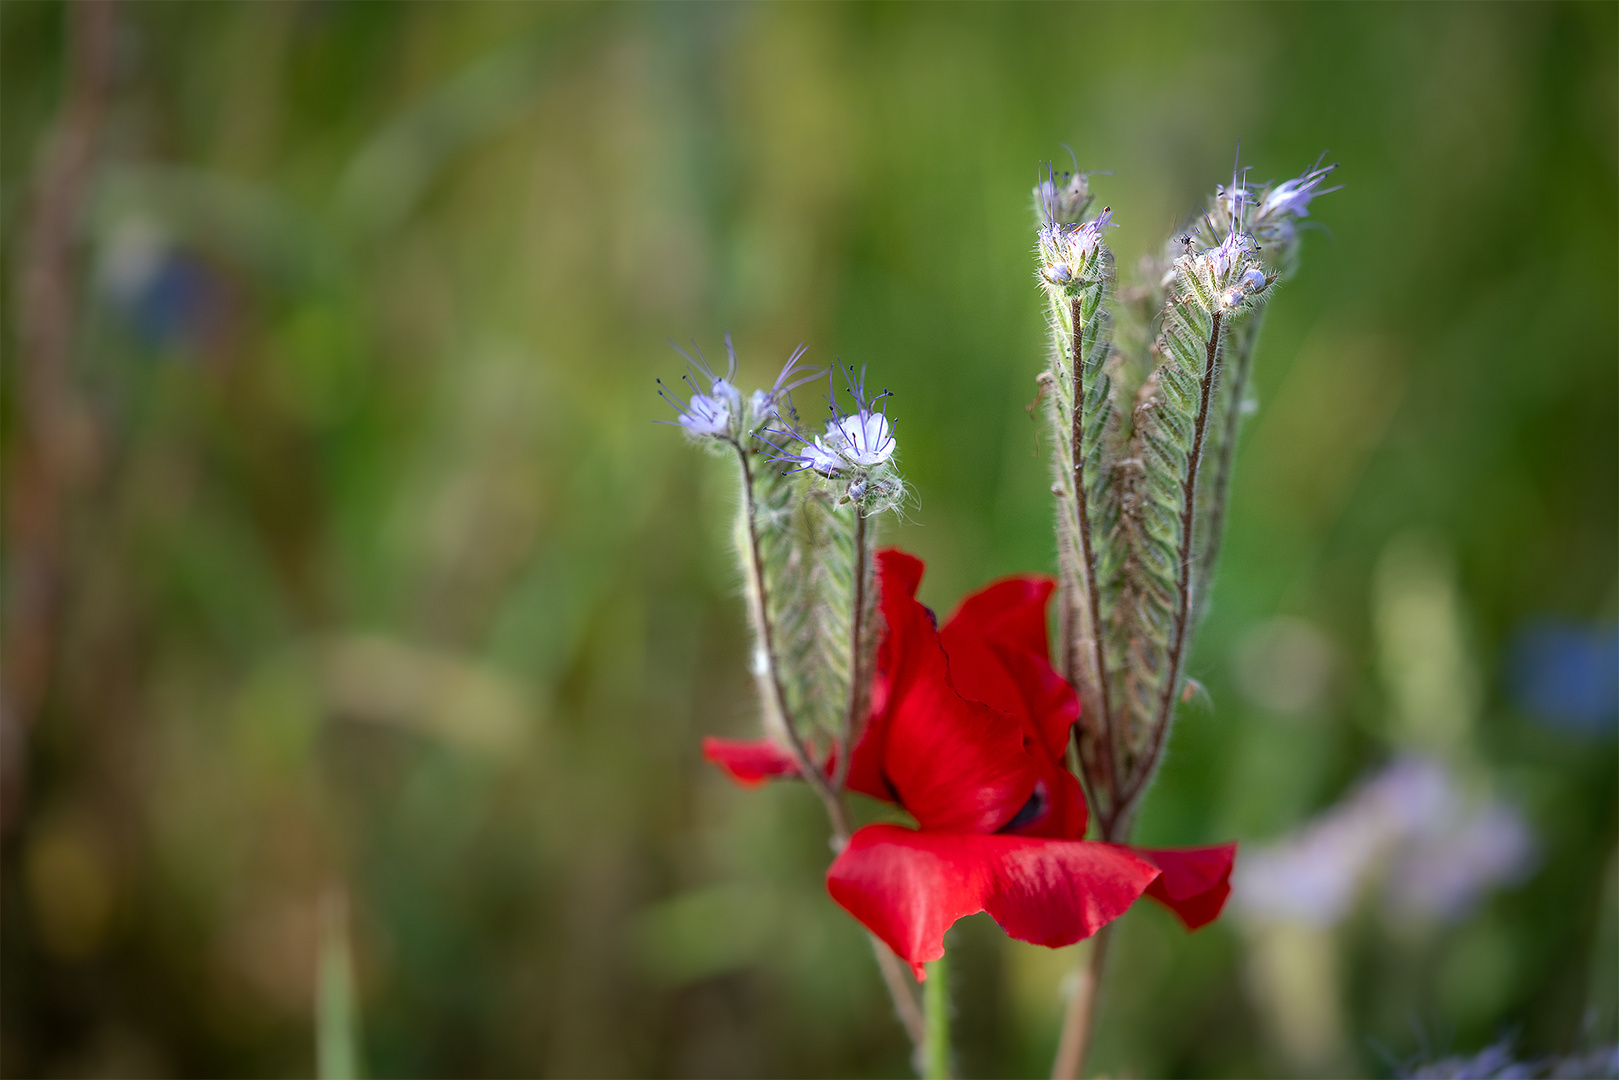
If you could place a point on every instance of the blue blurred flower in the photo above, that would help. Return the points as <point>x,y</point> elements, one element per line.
<point>168,296</point>
<point>1567,675</point>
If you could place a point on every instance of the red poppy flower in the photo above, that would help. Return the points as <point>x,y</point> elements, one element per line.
<point>968,730</point>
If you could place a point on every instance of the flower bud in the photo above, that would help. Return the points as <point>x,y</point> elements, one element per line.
<point>1069,254</point>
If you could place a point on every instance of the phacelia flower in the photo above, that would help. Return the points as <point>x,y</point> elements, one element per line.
<point>718,412</point>
<point>1292,197</point>
<point>1227,275</point>
<point>968,730</point>
<point>1269,213</point>
<point>863,438</point>
<point>1068,252</point>
<point>766,404</point>
<point>852,442</point>
<point>711,413</point>
<point>1279,207</point>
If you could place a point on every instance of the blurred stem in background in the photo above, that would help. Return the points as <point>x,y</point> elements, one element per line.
<point>337,1015</point>
<point>56,449</point>
<point>1081,1010</point>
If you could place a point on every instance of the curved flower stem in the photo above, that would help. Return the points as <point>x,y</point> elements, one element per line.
<point>910,1014</point>
<point>1078,1022</point>
<point>47,468</point>
<point>1177,643</point>
<point>936,998</point>
<point>759,595</point>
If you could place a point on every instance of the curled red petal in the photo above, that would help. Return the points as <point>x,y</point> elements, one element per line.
<point>956,765</point>
<point>1010,612</point>
<point>909,887</point>
<point>749,762</point>
<point>998,649</point>
<point>1195,882</point>
<point>898,576</point>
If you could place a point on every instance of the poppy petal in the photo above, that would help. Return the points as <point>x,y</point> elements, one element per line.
<point>898,576</point>
<point>1010,613</point>
<point>1195,883</point>
<point>909,887</point>
<point>998,649</point>
<point>956,765</point>
<point>1000,654</point>
<point>749,762</point>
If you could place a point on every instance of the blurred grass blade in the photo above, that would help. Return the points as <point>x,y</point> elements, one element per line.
<point>337,1018</point>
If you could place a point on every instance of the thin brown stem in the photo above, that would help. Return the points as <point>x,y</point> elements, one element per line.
<point>1183,591</point>
<point>1079,1020</point>
<point>761,596</point>
<point>1111,755</point>
<point>899,988</point>
<point>53,456</point>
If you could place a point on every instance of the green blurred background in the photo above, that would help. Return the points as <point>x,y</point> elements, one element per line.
<point>389,607</point>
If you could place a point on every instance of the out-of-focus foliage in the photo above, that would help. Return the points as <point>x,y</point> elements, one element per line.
<point>388,586</point>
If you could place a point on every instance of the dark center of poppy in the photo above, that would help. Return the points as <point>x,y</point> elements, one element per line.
<point>1033,810</point>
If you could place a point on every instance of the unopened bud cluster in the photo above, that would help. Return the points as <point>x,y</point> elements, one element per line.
<point>1144,431</point>
<point>1071,255</point>
<point>1227,277</point>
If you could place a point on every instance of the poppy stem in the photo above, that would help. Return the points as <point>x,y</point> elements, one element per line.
<point>1079,1021</point>
<point>936,1000</point>
<point>899,988</point>
<point>775,694</point>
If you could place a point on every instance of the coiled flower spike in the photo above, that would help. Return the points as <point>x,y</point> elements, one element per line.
<point>719,412</point>
<point>707,414</point>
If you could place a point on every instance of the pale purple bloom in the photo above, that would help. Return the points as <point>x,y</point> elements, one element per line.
<point>717,412</point>
<point>1229,254</point>
<point>766,404</point>
<point>816,456</point>
<point>1292,197</point>
<point>1411,825</point>
<point>854,441</point>
<point>707,414</point>
<point>1068,249</point>
<point>863,438</point>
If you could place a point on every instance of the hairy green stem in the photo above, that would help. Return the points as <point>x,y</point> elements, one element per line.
<point>936,1001</point>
